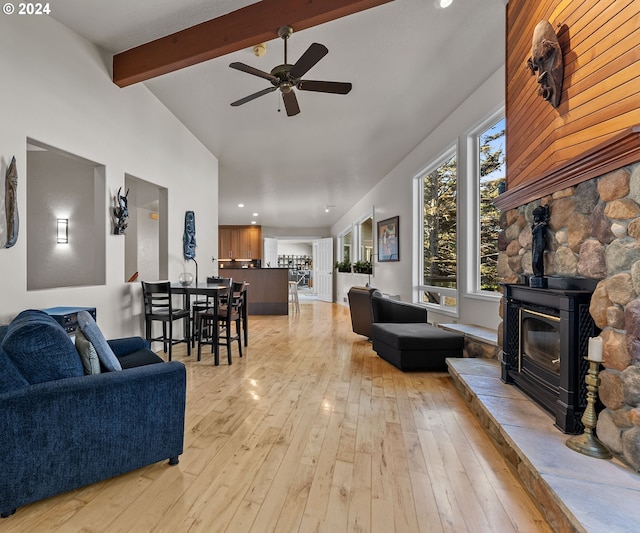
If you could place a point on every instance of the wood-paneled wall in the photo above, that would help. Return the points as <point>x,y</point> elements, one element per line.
<point>600,40</point>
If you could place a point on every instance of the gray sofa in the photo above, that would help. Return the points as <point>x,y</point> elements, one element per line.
<point>400,333</point>
<point>402,337</point>
<point>361,310</point>
<point>62,429</point>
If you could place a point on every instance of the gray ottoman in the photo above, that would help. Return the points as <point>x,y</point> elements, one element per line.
<point>415,346</point>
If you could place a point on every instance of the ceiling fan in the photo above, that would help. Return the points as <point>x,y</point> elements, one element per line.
<point>285,77</point>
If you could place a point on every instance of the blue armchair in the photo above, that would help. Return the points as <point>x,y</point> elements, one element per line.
<point>61,434</point>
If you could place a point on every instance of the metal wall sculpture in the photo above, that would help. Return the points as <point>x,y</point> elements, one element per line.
<point>546,60</point>
<point>11,204</point>
<point>120,212</point>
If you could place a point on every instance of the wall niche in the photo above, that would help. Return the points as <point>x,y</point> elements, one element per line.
<point>64,186</point>
<point>146,236</point>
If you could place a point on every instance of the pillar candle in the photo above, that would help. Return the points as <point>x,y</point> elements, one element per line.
<point>595,349</point>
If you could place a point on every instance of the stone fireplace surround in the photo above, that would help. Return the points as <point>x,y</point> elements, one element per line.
<point>594,232</point>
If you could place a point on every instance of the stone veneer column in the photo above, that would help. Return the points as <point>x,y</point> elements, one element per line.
<point>594,232</point>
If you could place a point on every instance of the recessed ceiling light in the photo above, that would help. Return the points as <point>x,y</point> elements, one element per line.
<point>255,214</point>
<point>444,3</point>
<point>253,222</point>
<point>240,205</point>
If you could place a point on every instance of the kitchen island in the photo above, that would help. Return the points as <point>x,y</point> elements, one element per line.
<point>268,292</point>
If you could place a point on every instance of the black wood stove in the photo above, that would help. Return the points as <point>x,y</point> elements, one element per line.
<point>545,340</point>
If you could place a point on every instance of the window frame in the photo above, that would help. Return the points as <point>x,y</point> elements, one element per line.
<point>419,285</point>
<point>358,234</point>
<point>472,207</point>
<point>346,231</point>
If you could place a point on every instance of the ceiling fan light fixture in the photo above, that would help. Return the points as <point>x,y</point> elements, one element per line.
<point>287,76</point>
<point>260,49</point>
<point>284,32</point>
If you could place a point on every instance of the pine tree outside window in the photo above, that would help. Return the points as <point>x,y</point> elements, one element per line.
<point>492,172</point>
<point>439,204</point>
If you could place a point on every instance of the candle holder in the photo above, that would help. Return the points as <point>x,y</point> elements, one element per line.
<point>588,443</point>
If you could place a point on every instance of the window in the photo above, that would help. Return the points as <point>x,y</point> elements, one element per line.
<point>346,241</point>
<point>491,149</point>
<point>365,239</point>
<point>438,205</point>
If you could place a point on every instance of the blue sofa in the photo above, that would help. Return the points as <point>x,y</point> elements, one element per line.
<point>62,429</point>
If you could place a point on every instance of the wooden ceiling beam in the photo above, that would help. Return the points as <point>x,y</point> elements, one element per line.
<point>234,31</point>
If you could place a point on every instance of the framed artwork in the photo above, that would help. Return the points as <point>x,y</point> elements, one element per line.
<point>388,240</point>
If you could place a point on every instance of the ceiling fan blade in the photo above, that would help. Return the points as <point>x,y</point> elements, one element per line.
<point>291,103</point>
<point>256,72</point>
<point>314,53</point>
<point>253,96</point>
<point>335,87</point>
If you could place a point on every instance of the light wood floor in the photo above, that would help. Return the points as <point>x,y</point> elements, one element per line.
<point>310,431</point>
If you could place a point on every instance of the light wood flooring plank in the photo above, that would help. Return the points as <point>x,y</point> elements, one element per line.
<point>310,431</point>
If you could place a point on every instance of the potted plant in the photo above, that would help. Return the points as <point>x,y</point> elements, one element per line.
<point>362,267</point>
<point>343,266</point>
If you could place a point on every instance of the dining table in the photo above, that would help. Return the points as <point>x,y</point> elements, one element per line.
<point>199,289</point>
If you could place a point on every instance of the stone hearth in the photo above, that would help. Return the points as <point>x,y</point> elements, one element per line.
<point>574,492</point>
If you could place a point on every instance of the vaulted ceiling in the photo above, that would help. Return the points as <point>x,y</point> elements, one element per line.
<point>411,63</point>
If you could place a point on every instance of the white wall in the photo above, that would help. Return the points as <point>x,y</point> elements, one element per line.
<point>57,89</point>
<point>394,196</point>
<point>296,233</point>
<point>295,248</point>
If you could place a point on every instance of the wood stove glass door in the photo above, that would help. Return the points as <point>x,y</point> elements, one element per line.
<point>539,344</point>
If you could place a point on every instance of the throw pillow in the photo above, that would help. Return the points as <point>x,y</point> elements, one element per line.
<point>88,354</point>
<point>10,378</point>
<point>40,348</point>
<point>92,332</point>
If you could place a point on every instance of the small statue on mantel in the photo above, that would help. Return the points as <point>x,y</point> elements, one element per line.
<point>538,245</point>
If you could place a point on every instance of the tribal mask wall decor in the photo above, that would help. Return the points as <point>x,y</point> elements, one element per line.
<point>546,61</point>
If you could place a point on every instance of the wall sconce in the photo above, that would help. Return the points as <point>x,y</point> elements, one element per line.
<point>63,231</point>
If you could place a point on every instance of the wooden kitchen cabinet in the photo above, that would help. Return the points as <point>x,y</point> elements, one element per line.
<point>240,242</point>
<point>251,242</point>
<point>228,242</point>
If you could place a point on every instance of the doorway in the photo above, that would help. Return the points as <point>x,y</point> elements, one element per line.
<point>307,260</point>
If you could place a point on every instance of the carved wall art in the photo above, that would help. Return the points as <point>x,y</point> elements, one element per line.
<point>120,213</point>
<point>546,61</point>
<point>189,237</point>
<point>11,203</point>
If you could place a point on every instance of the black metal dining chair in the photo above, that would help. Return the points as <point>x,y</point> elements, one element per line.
<point>243,312</point>
<point>214,324</point>
<point>200,306</point>
<point>158,307</point>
